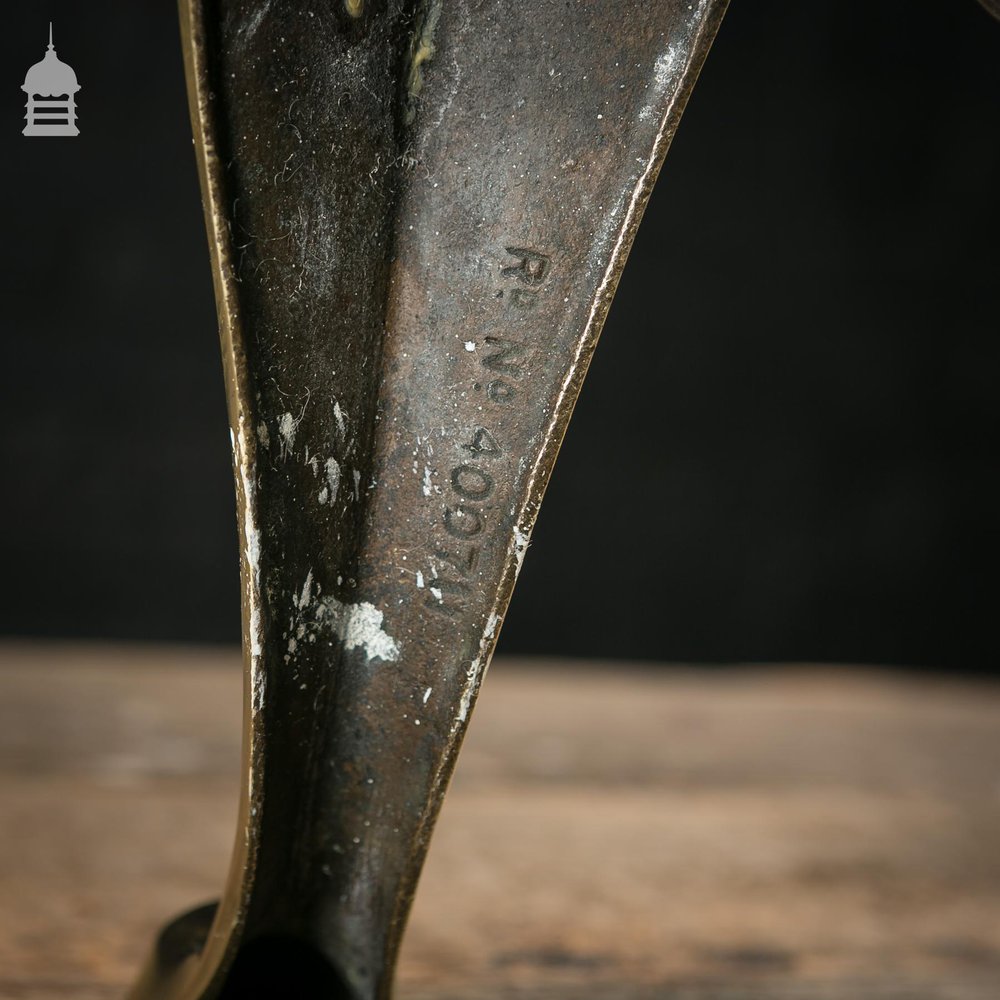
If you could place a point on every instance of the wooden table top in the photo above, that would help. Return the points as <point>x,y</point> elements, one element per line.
<point>612,833</point>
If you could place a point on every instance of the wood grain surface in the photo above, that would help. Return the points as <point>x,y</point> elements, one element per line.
<point>612,833</point>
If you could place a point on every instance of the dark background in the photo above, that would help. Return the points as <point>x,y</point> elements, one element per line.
<point>800,369</point>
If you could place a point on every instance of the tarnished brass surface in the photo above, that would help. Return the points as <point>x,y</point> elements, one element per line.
<point>417,214</point>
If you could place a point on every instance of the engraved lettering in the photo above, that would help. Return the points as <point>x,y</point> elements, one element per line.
<point>463,522</point>
<point>506,360</point>
<point>531,267</point>
<point>523,298</point>
<point>440,590</point>
<point>472,483</point>
<point>483,443</point>
<point>507,366</point>
<point>500,391</point>
<point>464,564</point>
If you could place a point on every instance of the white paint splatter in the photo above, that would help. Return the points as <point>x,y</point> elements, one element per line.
<point>477,668</point>
<point>303,600</point>
<point>491,626</point>
<point>420,580</point>
<point>427,694</point>
<point>472,681</point>
<point>428,487</point>
<point>359,626</point>
<point>332,468</point>
<point>470,345</point>
<point>258,682</point>
<point>665,70</point>
<point>287,426</point>
<point>522,539</point>
<point>436,594</point>
<point>251,559</point>
<point>338,415</point>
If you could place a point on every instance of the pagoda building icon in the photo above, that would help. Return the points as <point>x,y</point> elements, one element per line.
<point>51,87</point>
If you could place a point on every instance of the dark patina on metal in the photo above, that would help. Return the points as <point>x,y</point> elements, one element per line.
<point>417,214</point>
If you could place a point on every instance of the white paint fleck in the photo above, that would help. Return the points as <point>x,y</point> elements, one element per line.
<point>436,594</point>
<point>251,559</point>
<point>287,426</point>
<point>306,591</point>
<point>664,72</point>
<point>477,668</point>
<point>428,487</point>
<point>427,694</point>
<point>420,580</point>
<point>332,469</point>
<point>491,626</point>
<point>470,345</point>
<point>522,539</point>
<point>359,626</point>
<point>472,680</point>
<point>338,415</point>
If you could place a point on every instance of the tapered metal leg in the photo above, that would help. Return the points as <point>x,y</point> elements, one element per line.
<point>417,213</point>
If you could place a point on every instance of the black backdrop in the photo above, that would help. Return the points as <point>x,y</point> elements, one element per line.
<point>800,369</point>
